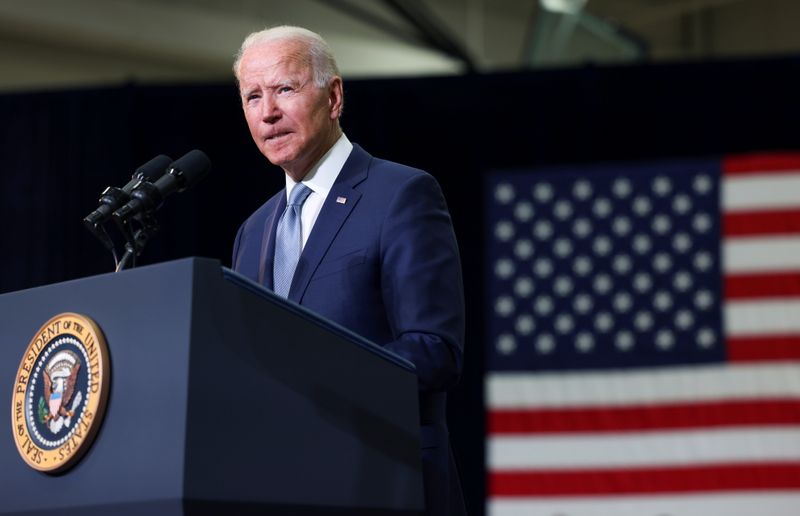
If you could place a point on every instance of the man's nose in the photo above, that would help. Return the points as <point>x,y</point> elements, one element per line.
<point>270,111</point>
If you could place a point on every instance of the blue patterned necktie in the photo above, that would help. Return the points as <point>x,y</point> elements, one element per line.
<point>289,241</point>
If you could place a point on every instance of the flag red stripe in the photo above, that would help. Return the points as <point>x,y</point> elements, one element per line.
<point>761,163</point>
<point>762,285</point>
<point>755,223</point>
<point>686,479</point>
<point>646,417</point>
<point>755,349</point>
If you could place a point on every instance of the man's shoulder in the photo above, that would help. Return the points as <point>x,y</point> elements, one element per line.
<point>391,172</point>
<point>397,169</point>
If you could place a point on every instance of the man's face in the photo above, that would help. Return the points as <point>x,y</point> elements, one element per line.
<point>292,121</point>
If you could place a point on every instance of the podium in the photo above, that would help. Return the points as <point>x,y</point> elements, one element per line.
<point>224,399</point>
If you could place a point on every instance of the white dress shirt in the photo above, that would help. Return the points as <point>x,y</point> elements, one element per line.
<point>320,180</point>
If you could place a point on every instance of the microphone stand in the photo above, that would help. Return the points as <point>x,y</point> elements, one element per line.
<point>135,241</point>
<point>99,231</point>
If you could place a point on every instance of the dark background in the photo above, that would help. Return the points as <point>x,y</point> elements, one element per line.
<point>59,150</point>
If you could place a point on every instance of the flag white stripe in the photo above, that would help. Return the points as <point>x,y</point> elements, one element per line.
<point>762,317</point>
<point>734,504</point>
<point>626,449</point>
<point>678,384</point>
<point>760,254</point>
<point>759,192</point>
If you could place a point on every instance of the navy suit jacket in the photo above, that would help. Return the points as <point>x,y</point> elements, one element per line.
<point>384,263</point>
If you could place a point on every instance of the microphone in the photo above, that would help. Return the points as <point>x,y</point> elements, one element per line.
<point>181,175</point>
<point>112,197</point>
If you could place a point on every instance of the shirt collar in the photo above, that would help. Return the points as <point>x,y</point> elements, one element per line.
<point>323,174</point>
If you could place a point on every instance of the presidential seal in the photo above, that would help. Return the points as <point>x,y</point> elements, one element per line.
<point>60,392</point>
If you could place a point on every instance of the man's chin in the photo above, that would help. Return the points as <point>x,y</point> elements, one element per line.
<point>286,162</point>
<point>277,157</point>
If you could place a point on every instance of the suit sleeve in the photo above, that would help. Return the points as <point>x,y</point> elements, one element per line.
<point>236,242</point>
<point>421,283</point>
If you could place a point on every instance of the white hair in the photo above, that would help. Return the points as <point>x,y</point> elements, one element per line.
<point>323,64</point>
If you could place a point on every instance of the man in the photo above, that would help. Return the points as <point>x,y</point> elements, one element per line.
<point>364,242</point>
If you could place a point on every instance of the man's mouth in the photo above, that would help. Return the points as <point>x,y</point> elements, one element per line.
<point>276,136</point>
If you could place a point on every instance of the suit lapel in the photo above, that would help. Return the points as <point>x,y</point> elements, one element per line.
<point>267,257</point>
<point>330,220</point>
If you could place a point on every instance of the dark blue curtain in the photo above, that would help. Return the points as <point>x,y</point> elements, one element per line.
<point>59,150</point>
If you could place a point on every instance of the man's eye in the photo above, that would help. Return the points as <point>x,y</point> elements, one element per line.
<point>284,89</point>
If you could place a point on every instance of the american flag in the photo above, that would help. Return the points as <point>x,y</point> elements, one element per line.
<point>644,339</point>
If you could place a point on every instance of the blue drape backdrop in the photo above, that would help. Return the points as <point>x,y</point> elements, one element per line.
<point>59,150</point>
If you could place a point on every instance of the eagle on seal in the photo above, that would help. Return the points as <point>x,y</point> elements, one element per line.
<point>58,392</point>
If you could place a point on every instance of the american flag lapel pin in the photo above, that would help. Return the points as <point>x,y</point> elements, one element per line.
<point>341,200</point>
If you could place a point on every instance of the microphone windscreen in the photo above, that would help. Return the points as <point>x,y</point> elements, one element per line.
<point>193,167</point>
<point>153,169</point>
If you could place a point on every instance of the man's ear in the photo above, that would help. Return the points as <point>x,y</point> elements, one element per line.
<point>336,97</point>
